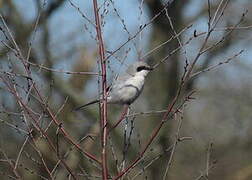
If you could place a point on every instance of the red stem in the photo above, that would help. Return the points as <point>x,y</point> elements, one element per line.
<point>49,141</point>
<point>153,135</point>
<point>64,132</point>
<point>103,107</point>
<point>125,110</point>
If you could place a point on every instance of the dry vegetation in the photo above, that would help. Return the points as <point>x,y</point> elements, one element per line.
<point>191,122</point>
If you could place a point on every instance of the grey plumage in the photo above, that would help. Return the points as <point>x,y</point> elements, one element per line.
<point>127,87</point>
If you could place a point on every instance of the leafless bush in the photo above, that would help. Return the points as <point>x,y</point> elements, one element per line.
<point>40,138</point>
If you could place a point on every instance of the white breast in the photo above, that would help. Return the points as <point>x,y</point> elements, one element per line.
<point>127,91</point>
<point>137,81</point>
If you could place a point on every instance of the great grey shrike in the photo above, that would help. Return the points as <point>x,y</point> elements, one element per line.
<point>127,87</point>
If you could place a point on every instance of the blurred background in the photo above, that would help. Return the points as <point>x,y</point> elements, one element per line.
<point>65,40</point>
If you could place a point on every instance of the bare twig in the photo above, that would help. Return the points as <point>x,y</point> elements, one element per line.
<point>167,41</point>
<point>103,107</point>
<point>217,65</point>
<point>20,152</point>
<point>181,139</point>
<point>140,30</point>
<point>157,129</point>
<point>60,71</point>
<point>123,115</point>
<point>81,13</point>
<point>210,164</point>
<point>176,140</point>
<point>18,176</point>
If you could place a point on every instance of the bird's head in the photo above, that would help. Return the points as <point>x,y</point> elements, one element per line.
<point>139,68</point>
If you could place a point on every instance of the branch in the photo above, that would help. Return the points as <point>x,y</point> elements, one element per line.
<point>103,106</point>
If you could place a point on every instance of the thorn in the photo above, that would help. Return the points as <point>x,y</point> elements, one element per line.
<point>195,33</point>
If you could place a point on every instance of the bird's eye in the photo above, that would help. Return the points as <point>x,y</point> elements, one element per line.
<point>140,68</point>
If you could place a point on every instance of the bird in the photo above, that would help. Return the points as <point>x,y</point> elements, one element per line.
<point>127,87</point>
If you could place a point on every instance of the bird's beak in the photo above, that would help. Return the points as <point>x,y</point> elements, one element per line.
<point>150,68</point>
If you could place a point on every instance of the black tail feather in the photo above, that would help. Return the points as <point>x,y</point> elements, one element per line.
<point>92,102</point>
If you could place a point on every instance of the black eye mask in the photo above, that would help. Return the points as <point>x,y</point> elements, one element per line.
<point>140,68</point>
